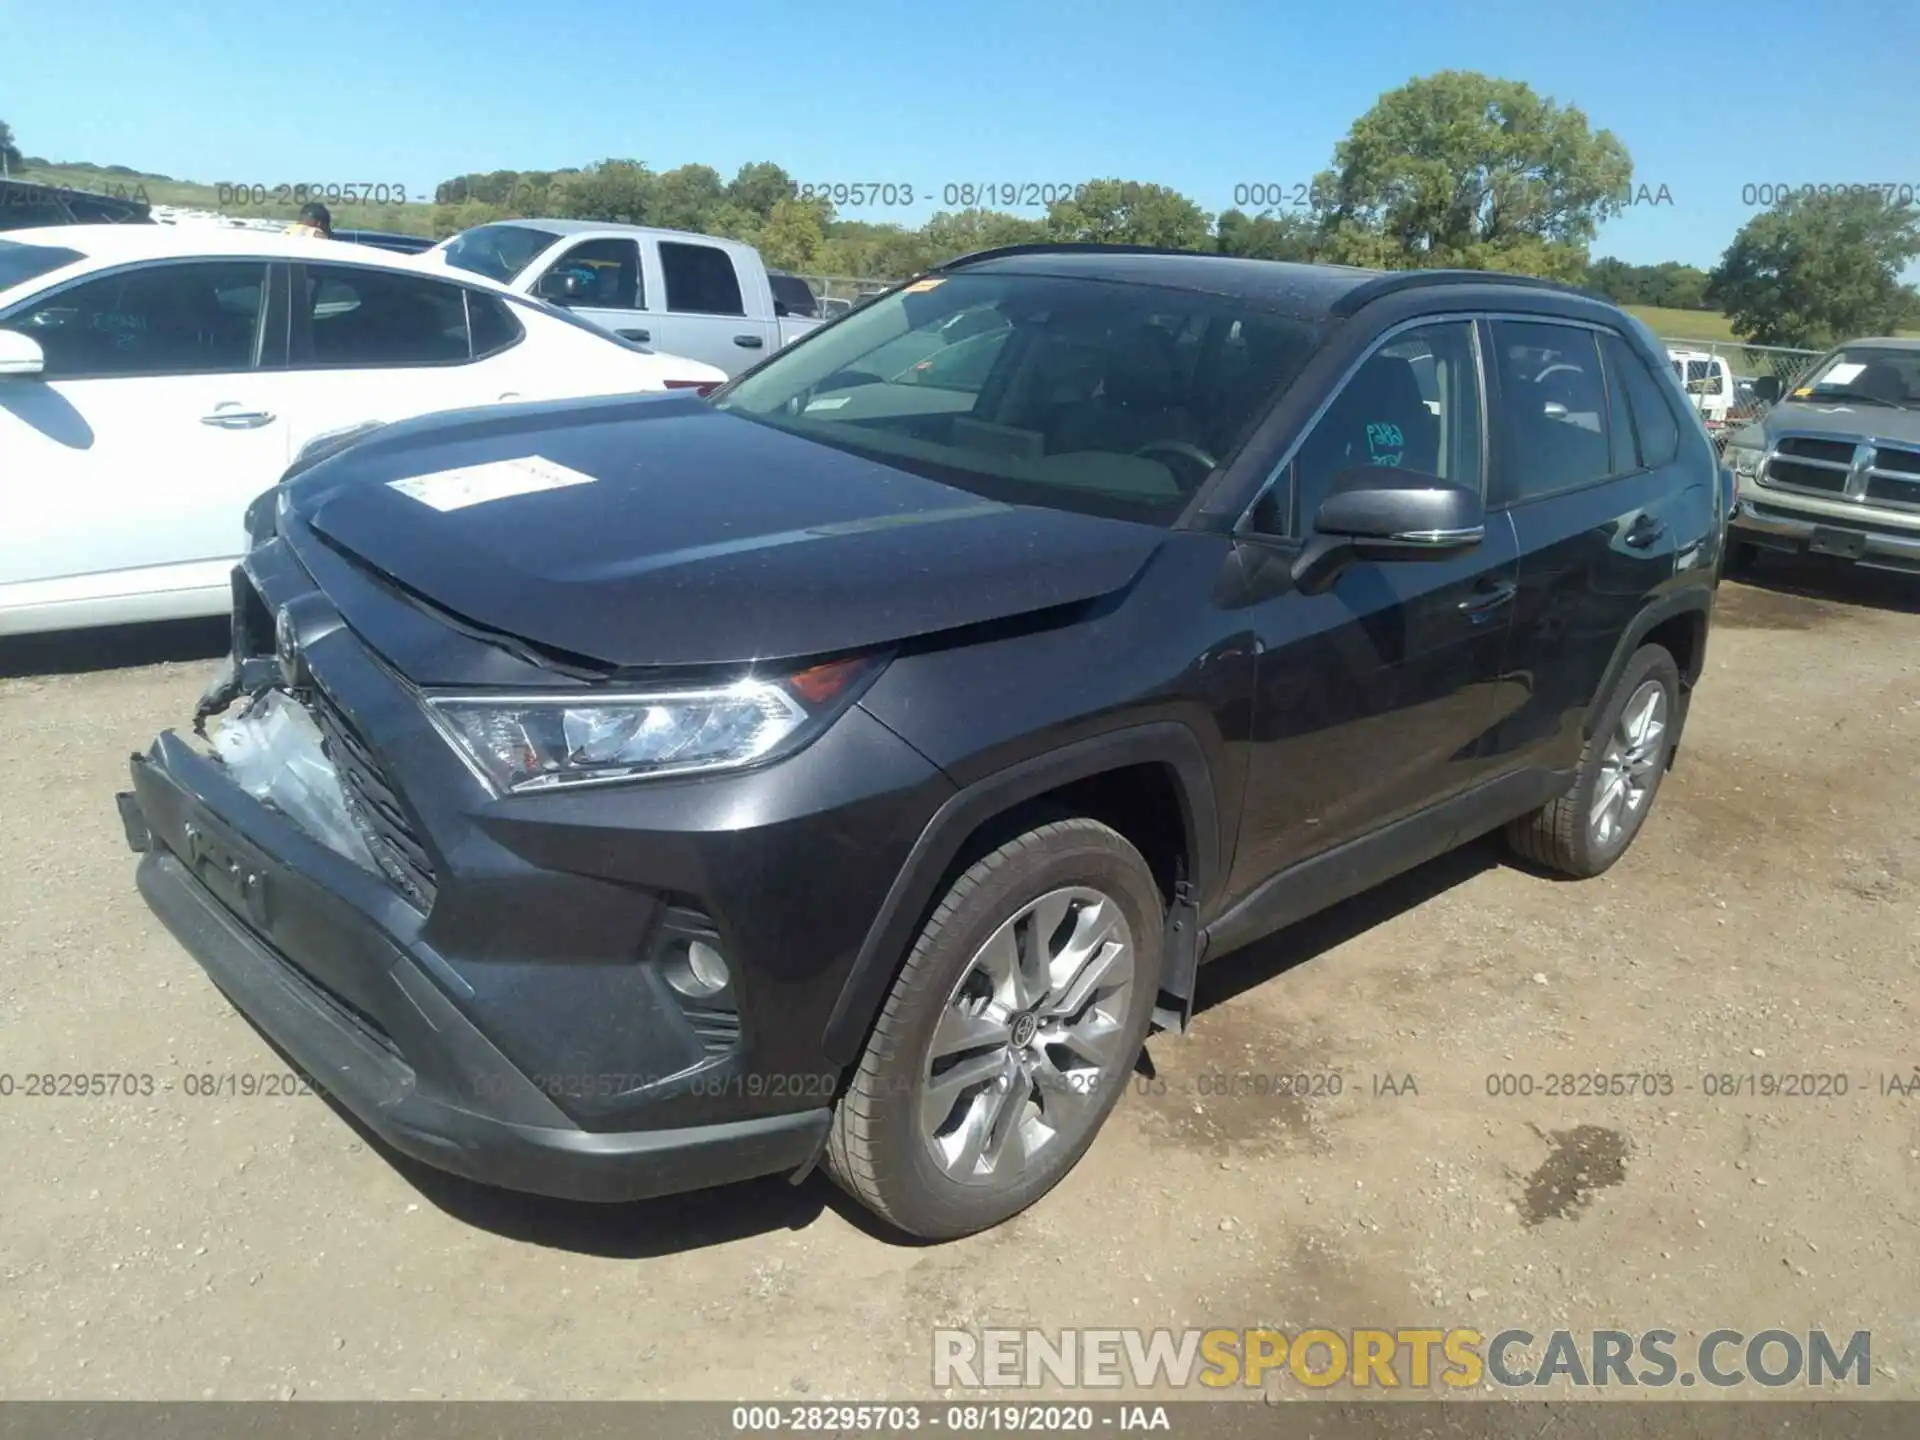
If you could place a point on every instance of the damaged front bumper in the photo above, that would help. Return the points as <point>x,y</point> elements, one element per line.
<point>240,886</point>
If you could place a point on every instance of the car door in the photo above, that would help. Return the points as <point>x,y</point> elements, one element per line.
<point>1587,467</point>
<point>127,464</point>
<point>601,281</point>
<point>705,309</point>
<point>370,343</point>
<point>1377,697</point>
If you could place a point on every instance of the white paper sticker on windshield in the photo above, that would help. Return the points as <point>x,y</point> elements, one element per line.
<point>1842,374</point>
<point>833,402</point>
<point>495,480</point>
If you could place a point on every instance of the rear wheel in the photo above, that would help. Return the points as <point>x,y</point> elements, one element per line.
<point>1584,831</point>
<point>1008,1035</point>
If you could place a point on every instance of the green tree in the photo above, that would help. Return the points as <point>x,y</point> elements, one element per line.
<point>612,190</point>
<point>792,237</point>
<point>687,198</point>
<point>1462,169</point>
<point>9,151</point>
<point>951,233</point>
<point>1130,212</point>
<point>1817,269</point>
<point>759,187</point>
<point>1267,236</point>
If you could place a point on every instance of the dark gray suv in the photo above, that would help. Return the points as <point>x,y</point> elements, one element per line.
<point>621,796</point>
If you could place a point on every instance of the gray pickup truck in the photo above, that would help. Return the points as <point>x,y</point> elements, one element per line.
<point>1834,467</point>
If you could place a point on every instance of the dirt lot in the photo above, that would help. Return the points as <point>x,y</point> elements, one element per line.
<point>184,1246</point>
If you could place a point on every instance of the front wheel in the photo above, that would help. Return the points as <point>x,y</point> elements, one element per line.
<point>1008,1036</point>
<point>1584,831</point>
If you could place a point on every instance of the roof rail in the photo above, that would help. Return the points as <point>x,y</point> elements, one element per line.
<point>1368,291</point>
<point>1067,247</point>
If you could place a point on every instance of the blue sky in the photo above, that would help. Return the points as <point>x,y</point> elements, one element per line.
<point>1201,96</point>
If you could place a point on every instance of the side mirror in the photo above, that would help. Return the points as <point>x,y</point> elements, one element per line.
<point>20,355</point>
<point>1767,388</point>
<point>560,286</point>
<point>1380,512</point>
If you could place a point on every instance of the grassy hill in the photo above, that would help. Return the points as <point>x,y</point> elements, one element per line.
<point>412,218</point>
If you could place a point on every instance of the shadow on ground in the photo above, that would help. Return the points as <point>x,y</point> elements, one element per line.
<point>113,647</point>
<point>1831,582</point>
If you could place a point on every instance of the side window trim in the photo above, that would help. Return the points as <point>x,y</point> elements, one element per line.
<point>106,272</point>
<point>1506,500</point>
<point>1244,526</point>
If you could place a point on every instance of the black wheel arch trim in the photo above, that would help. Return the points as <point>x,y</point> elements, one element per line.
<point>888,939</point>
<point>1693,600</point>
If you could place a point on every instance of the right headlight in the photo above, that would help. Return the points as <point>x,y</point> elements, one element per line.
<point>520,743</point>
<point>1744,460</point>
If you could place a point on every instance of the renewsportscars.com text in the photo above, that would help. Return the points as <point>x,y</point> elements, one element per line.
<point>1413,1358</point>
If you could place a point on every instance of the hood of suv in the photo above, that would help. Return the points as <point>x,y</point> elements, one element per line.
<point>648,531</point>
<point>1876,422</point>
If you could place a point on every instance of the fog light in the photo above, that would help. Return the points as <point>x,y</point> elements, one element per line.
<point>697,970</point>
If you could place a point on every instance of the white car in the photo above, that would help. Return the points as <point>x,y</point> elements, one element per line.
<point>154,379</point>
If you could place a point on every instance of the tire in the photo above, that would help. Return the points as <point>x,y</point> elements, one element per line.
<point>887,1147</point>
<point>1564,834</point>
<point>1743,557</point>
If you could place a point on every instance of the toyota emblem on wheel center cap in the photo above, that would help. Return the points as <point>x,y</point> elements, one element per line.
<point>1025,1027</point>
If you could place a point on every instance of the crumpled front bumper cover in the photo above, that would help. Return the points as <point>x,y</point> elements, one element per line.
<point>233,882</point>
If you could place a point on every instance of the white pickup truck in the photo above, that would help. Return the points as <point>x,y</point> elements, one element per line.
<point>670,290</point>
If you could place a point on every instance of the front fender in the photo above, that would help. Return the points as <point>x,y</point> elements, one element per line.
<point>914,888</point>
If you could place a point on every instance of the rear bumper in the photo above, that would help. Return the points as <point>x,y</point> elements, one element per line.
<point>224,875</point>
<point>1780,526</point>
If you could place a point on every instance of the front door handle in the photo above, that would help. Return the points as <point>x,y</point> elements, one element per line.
<point>748,342</point>
<point>231,415</point>
<point>1645,531</point>
<point>639,337</point>
<point>1488,596</point>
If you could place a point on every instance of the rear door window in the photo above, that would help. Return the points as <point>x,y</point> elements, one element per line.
<point>1553,408</point>
<point>1653,420</point>
<point>700,279</point>
<point>382,318</point>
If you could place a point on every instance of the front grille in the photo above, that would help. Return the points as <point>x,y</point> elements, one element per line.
<point>389,836</point>
<point>1808,462</point>
<point>1894,478</point>
<point>1907,462</point>
<point>1810,447</point>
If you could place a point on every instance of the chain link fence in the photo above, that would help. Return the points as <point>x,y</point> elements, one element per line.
<point>839,293</point>
<point>1720,376</point>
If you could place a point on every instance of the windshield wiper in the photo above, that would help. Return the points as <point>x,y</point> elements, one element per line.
<point>1840,392</point>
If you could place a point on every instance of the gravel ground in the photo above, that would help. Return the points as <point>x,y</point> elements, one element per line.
<point>180,1247</point>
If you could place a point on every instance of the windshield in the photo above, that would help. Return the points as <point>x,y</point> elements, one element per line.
<point>498,252</point>
<point>1866,372</point>
<point>1089,395</point>
<point>20,262</point>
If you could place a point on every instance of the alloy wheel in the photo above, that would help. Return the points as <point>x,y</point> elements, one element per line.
<point>1031,1032</point>
<point>1630,767</point>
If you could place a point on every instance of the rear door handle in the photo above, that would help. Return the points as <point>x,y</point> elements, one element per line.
<point>231,415</point>
<point>639,337</point>
<point>1488,596</point>
<point>1645,531</point>
<point>748,342</point>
